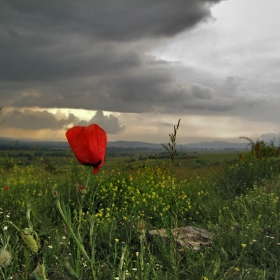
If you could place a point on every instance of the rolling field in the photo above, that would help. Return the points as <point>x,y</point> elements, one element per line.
<point>130,158</point>
<point>60,221</point>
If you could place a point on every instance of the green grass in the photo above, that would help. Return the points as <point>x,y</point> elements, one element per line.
<point>100,230</point>
<point>130,156</point>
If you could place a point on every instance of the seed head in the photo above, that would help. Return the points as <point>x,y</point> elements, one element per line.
<point>82,190</point>
<point>5,258</point>
<point>29,241</point>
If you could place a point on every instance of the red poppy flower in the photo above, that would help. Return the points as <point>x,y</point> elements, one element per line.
<point>88,144</point>
<point>6,188</point>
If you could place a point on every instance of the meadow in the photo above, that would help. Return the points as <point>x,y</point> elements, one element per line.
<point>60,221</point>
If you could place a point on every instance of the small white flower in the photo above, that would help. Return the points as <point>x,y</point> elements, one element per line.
<point>50,246</point>
<point>5,228</point>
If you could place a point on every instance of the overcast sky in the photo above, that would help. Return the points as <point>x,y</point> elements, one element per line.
<point>136,67</point>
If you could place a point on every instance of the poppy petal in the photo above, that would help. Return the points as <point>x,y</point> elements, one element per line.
<point>97,145</point>
<point>71,134</point>
<point>78,144</point>
<point>88,144</point>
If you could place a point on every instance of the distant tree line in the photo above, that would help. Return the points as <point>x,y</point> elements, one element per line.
<point>32,155</point>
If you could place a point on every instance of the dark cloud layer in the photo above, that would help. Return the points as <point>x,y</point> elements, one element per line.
<point>92,55</point>
<point>35,120</point>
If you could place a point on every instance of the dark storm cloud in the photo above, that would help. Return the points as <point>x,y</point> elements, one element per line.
<point>35,120</point>
<point>107,19</point>
<point>91,54</point>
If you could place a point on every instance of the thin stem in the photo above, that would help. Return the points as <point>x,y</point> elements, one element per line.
<point>2,273</point>
<point>11,223</point>
<point>88,177</point>
<point>81,247</point>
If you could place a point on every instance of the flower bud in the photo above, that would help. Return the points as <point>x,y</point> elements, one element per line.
<point>29,241</point>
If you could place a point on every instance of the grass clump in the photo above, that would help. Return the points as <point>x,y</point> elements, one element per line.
<point>250,169</point>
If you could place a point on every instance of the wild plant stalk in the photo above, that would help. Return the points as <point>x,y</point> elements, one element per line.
<point>122,261</point>
<point>142,231</point>
<point>172,152</point>
<point>171,146</point>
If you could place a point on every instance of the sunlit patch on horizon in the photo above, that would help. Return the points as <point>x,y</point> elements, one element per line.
<point>82,114</point>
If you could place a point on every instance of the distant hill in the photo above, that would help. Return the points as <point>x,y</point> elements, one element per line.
<point>134,144</point>
<point>214,145</point>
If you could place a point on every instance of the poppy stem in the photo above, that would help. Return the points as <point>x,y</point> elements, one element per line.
<point>88,177</point>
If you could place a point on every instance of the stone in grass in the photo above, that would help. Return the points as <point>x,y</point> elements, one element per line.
<point>189,236</point>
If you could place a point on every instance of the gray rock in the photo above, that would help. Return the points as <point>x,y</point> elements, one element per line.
<point>189,236</point>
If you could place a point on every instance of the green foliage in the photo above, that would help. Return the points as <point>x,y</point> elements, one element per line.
<point>8,164</point>
<point>251,169</point>
<point>260,149</point>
